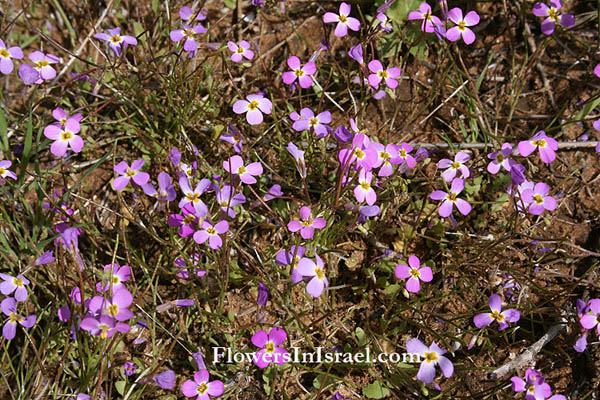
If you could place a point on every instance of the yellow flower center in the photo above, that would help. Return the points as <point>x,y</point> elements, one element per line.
<point>359,153</point>
<point>4,53</point>
<point>116,39</point>
<point>402,153</point>
<point>18,282</point>
<point>320,274</point>
<point>241,170</point>
<point>431,356</point>
<point>415,273</point>
<point>41,64</point>
<point>451,197</point>
<point>553,14</point>
<point>115,280</point>
<point>66,135</point>
<point>306,223</point>
<point>462,25</point>
<point>497,316</point>
<point>270,347</point>
<point>538,199</point>
<point>14,318</point>
<point>383,74</point>
<point>240,50</point>
<point>189,33</point>
<point>63,121</point>
<point>299,72</point>
<point>113,309</point>
<point>104,328</point>
<point>2,171</point>
<point>188,219</point>
<point>253,105</point>
<point>195,197</point>
<point>343,19</point>
<point>455,165</point>
<point>130,173</point>
<point>385,155</point>
<point>365,186</point>
<point>500,157</point>
<point>541,143</point>
<point>313,121</point>
<point>211,231</point>
<point>202,388</point>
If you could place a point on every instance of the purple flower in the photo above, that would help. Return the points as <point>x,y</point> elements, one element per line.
<point>298,157</point>
<point>384,22</point>
<point>301,72</point>
<point>597,70</point>
<point>62,117</point>
<point>41,63</point>
<point>64,137</point>
<point>432,356</point>
<point>500,158</point>
<point>318,123</point>
<point>190,34</point>
<point>502,317</point>
<point>307,224</point>
<point>430,22</point>
<point>268,343</point>
<point>590,319</point>
<point>538,199</point>
<point>461,29</point>
<point>103,326</point>
<point>273,193</point>
<point>9,308</point>
<point>364,191</point>
<point>202,387</point>
<point>45,258</point>
<point>193,196</point>
<point>546,145</point>
<point>116,41</point>
<point>356,53</point>
<point>263,294</point>
<point>186,14</point>
<point>344,21</point>
<point>360,152</point>
<point>165,380</point>
<point>127,173</point>
<point>403,155</point>
<point>6,64</point>
<point>186,220</point>
<point>389,75</point>
<point>316,271</point>
<point>115,306</point>
<point>451,199</point>
<point>534,385</point>
<point>28,74</point>
<point>235,165</point>
<point>239,51</point>
<point>452,166</point>
<point>166,191</point>
<point>116,276</point>
<point>291,257</point>
<point>4,170</point>
<point>386,157</point>
<point>129,368</point>
<point>553,16</point>
<point>235,138</point>
<point>11,284</point>
<point>211,233</point>
<point>227,199</point>
<point>194,259</point>
<point>254,106</point>
<point>414,273</point>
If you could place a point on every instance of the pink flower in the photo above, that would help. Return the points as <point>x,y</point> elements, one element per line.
<point>116,307</point>
<point>11,284</point>
<point>343,20</point>
<point>6,64</point>
<point>364,191</point>
<point>201,387</point>
<point>239,51</point>
<point>211,233</point>
<point>4,169</point>
<point>235,165</point>
<point>384,22</point>
<point>41,63</point>
<point>590,319</point>
<point>116,41</point>
<point>253,107</point>
<point>553,16</point>
<point>360,152</point>
<point>103,326</point>
<point>291,257</point>
<point>298,157</point>
<point>64,137</point>
<point>456,15</point>
<point>318,283</point>
<point>186,14</point>
<point>193,195</point>
<point>308,120</point>
<point>538,200</point>
<point>451,199</point>
<point>190,34</point>
<point>597,70</point>
<point>307,224</point>
<point>403,155</point>
<point>414,273</point>
<point>502,317</point>
<point>430,22</point>
<point>432,356</point>
<point>268,343</point>
<point>9,308</point>
<point>500,158</point>
<point>301,72</point>
<point>386,157</point>
<point>116,276</point>
<point>389,75</point>
<point>127,173</point>
<point>61,116</point>
<point>457,165</point>
<point>544,143</point>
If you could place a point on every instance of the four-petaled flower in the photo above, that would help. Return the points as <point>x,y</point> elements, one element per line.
<point>379,74</point>
<point>298,71</point>
<point>364,191</point>
<point>193,196</point>
<point>239,51</point>
<point>534,384</point>
<point>414,272</point>
<point>451,199</point>
<point>202,387</point>
<point>318,123</point>
<point>41,63</point>
<point>591,319</point>
<point>461,29</point>
<point>452,166</point>
<point>307,224</point>
<point>344,21</point>
<point>64,137</point>
<point>9,308</point>
<point>190,34</point>
<point>14,284</point>
<point>432,356</point>
<point>500,158</point>
<point>211,233</point>
<point>4,169</point>
<point>544,143</point>
<point>235,165</point>
<point>502,317</point>
<point>268,343</point>
<point>127,173</point>
<point>6,64</point>
<point>553,16</point>
<point>254,106</point>
<point>430,21</point>
<point>318,283</point>
<point>538,199</point>
<point>292,257</point>
<point>116,41</point>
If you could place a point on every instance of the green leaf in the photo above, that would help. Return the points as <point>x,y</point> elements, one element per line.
<point>120,386</point>
<point>375,390</point>
<point>230,4</point>
<point>398,12</point>
<point>361,336</point>
<point>3,132</point>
